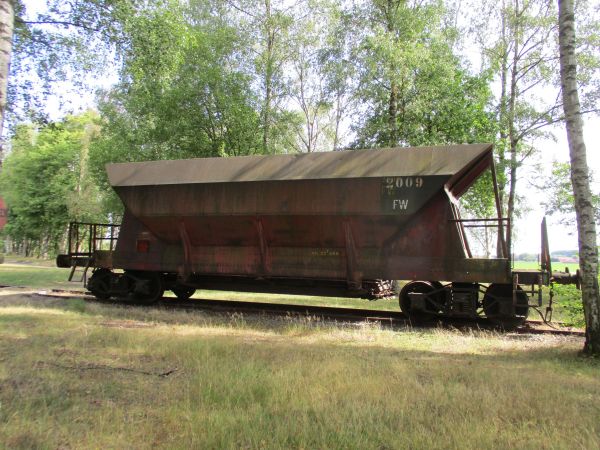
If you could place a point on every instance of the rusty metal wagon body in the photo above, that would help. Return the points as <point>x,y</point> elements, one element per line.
<point>338,223</point>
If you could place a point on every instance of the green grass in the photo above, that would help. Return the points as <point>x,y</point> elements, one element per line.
<point>247,382</point>
<point>29,260</point>
<point>567,300</point>
<point>389,304</point>
<point>556,266</point>
<point>37,276</point>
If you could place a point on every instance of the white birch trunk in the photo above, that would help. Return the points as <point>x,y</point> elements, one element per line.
<point>588,250</point>
<point>7,17</point>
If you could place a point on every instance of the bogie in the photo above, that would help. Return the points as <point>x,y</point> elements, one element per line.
<point>500,307</point>
<point>138,286</point>
<point>423,300</point>
<point>99,284</point>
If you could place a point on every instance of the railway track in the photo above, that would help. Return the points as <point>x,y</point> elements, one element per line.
<point>390,319</point>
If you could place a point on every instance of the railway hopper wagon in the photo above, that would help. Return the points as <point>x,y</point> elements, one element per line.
<point>344,223</point>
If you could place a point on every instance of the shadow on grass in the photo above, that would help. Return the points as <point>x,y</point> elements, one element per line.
<point>442,340</point>
<point>263,382</point>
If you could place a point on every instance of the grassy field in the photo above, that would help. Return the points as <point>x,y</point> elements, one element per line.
<point>556,266</point>
<point>12,274</point>
<point>79,375</point>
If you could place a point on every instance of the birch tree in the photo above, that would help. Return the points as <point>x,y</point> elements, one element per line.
<point>514,36</point>
<point>6,34</point>
<point>307,78</point>
<point>60,46</point>
<point>266,25</point>
<point>517,40</point>
<point>338,61</point>
<point>584,209</point>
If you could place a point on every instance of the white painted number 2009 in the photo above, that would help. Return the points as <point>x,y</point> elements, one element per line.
<point>406,182</point>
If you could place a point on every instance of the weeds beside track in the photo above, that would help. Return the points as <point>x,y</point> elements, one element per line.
<point>333,314</point>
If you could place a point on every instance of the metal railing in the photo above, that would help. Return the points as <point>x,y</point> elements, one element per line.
<point>502,226</point>
<point>86,238</point>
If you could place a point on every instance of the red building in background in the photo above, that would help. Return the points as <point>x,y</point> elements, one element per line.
<point>3,213</point>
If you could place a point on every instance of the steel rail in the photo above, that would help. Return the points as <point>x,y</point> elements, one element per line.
<point>392,319</point>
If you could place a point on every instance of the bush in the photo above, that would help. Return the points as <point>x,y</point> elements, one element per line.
<point>568,299</point>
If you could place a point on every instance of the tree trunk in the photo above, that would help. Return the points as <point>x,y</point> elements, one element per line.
<point>393,115</point>
<point>7,17</point>
<point>586,227</point>
<point>268,78</point>
<point>512,192</point>
<point>512,139</point>
<point>502,119</point>
<point>338,119</point>
<point>393,100</point>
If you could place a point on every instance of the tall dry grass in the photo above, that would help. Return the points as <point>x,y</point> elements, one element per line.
<point>78,375</point>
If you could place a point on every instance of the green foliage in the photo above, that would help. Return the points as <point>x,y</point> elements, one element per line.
<point>560,200</point>
<point>206,80</point>
<point>479,200</point>
<point>182,94</point>
<point>45,183</point>
<point>568,299</point>
<point>569,253</point>
<point>529,257</point>
<point>518,46</point>
<point>414,88</point>
<point>305,79</point>
<point>59,48</point>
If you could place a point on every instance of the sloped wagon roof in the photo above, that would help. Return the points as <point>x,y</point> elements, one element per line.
<point>451,160</point>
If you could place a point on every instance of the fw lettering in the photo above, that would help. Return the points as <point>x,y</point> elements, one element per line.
<point>400,204</point>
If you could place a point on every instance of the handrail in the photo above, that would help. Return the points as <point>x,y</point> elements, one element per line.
<point>85,238</point>
<point>504,219</point>
<point>500,223</point>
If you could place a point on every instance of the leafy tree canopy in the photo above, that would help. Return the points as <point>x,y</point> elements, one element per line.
<point>413,88</point>
<point>182,93</point>
<point>44,180</point>
<point>60,48</point>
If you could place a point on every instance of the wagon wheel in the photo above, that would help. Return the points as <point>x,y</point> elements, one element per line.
<point>148,287</point>
<point>434,303</point>
<point>99,284</point>
<point>183,292</point>
<point>497,305</point>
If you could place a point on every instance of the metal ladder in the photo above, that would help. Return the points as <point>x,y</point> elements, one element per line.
<point>82,272</point>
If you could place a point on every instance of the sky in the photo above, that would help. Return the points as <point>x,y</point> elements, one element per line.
<point>528,227</point>
<point>527,236</point>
